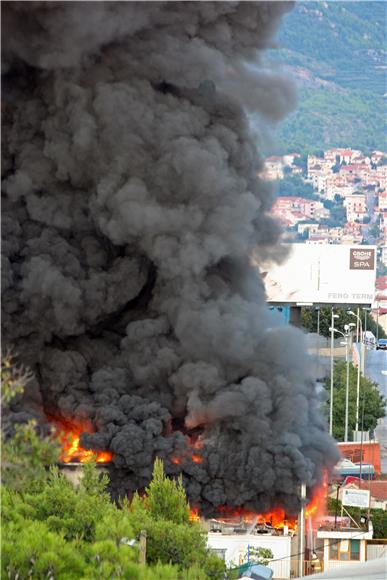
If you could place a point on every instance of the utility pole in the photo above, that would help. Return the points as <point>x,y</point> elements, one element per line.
<point>359,365</point>
<point>346,397</point>
<point>318,339</point>
<point>332,329</point>
<point>143,547</point>
<point>348,336</point>
<point>301,528</point>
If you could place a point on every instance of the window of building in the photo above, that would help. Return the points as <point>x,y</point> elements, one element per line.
<point>333,550</point>
<point>355,549</point>
<point>344,550</point>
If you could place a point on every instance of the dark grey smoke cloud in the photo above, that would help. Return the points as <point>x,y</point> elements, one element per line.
<point>131,210</point>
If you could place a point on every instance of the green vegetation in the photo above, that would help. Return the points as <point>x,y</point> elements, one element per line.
<point>372,403</point>
<point>309,321</point>
<point>331,118</point>
<point>52,529</point>
<point>378,516</point>
<point>25,455</point>
<point>65,532</point>
<point>335,51</point>
<point>251,556</point>
<point>340,42</point>
<point>295,186</point>
<point>337,214</point>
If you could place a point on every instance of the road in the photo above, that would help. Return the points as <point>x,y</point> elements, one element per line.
<point>376,370</point>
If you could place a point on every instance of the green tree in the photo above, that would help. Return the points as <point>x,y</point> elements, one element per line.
<point>301,162</point>
<point>65,532</point>
<point>374,231</point>
<point>295,186</point>
<point>166,498</point>
<point>337,217</point>
<point>171,537</point>
<point>259,555</point>
<point>309,321</point>
<point>52,529</point>
<point>372,403</point>
<point>25,455</point>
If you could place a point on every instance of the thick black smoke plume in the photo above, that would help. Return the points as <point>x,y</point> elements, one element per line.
<point>132,210</point>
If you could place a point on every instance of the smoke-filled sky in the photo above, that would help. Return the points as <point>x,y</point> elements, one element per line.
<point>131,211</point>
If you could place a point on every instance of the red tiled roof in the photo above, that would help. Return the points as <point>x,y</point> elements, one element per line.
<point>377,488</point>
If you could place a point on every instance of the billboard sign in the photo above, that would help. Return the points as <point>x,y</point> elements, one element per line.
<point>361,259</point>
<point>356,497</point>
<point>322,274</point>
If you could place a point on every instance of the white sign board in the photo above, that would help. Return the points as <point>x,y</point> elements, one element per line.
<point>322,274</point>
<point>356,497</point>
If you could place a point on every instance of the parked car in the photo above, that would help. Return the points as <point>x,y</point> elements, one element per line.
<point>382,344</point>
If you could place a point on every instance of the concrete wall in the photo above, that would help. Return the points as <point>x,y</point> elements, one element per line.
<point>375,550</point>
<point>236,545</point>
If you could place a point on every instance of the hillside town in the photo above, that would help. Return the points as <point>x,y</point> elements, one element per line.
<point>336,197</point>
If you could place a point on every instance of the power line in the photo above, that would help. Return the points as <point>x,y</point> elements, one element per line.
<point>331,543</point>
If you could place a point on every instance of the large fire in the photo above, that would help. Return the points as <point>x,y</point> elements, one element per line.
<point>193,453</point>
<point>276,518</point>
<point>72,450</point>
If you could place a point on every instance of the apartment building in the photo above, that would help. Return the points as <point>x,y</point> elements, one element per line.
<point>356,206</point>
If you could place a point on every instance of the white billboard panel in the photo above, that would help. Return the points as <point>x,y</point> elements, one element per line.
<point>322,274</point>
<point>356,497</point>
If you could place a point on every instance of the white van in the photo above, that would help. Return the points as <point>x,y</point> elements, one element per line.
<point>369,339</point>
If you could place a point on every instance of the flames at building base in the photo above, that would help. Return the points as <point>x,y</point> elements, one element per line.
<point>276,520</point>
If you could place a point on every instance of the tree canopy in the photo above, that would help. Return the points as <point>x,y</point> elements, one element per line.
<point>295,186</point>
<point>53,529</point>
<point>371,401</point>
<point>309,321</point>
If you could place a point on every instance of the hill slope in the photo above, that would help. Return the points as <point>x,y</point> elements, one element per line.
<point>336,53</point>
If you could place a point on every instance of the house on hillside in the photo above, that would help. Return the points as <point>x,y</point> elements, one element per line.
<point>273,168</point>
<point>356,206</point>
<point>382,201</point>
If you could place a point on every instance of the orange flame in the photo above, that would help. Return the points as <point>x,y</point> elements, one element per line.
<point>72,450</point>
<point>183,454</point>
<point>316,507</point>
<point>276,518</point>
<point>194,515</point>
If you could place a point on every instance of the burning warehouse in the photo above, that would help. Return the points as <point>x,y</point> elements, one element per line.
<point>131,213</point>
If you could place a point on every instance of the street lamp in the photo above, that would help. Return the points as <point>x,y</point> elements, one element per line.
<point>347,328</point>
<point>346,336</point>
<point>358,368</point>
<point>317,309</point>
<point>332,329</point>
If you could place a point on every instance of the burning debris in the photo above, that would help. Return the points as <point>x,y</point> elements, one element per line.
<point>73,452</point>
<point>131,213</point>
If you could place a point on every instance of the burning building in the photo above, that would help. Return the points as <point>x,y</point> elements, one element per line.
<point>131,213</point>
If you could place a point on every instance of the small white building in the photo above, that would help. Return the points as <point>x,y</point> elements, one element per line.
<point>344,547</point>
<point>232,548</point>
